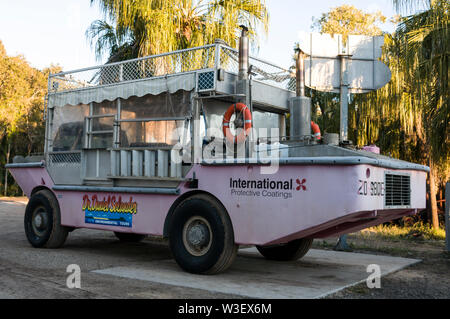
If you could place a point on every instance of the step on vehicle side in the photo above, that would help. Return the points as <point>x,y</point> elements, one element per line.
<point>195,150</point>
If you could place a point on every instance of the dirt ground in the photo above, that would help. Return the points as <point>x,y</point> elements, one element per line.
<point>428,279</point>
<point>25,273</point>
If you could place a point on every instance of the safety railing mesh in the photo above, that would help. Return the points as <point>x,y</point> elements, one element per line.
<point>260,70</point>
<point>64,158</point>
<point>167,64</point>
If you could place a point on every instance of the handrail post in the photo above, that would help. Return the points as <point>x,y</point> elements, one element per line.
<point>217,56</point>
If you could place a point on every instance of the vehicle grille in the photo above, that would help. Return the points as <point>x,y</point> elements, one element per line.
<point>398,190</point>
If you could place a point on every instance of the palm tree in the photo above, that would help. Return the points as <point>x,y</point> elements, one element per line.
<point>146,27</point>
<point>425,49</point>
<point>119,43</point>
<point>409,117</point>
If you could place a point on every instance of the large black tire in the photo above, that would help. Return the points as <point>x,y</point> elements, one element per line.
<point>292,250</point>
<point>201,236</point>
<point>43,221</point>
<point>129,237</point>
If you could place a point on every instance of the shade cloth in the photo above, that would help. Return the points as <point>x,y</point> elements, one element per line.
<point>124,90</point>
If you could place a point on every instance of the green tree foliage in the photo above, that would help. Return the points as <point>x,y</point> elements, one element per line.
<point>347,20</point>
<point>410,116</point>
<point>135,28</point>
<point>22,92</point>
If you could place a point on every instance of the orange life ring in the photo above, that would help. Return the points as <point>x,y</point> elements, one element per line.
<point>241,108</point>
<point>316,130</point>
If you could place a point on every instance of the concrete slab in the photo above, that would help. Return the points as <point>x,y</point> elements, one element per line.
<point>316,275</point>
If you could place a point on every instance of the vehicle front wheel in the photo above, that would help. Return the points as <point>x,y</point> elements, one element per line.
<point>201,236</point>
<point>292,250</point>
<point>43,221</point>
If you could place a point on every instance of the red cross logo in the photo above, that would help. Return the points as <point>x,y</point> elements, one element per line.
<point>301,184</point>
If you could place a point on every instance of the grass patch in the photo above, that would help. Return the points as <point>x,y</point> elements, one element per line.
<point>379,248</point>
<point>360,289</point>
<point>418,231</point>
<point>372,245</point>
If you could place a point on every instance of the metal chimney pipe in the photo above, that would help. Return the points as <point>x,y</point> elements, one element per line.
<point>243,54</point>
<point>300,73</point>
<point>300,107</point>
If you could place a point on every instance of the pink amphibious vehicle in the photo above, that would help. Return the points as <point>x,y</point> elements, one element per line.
<point>137,148</point>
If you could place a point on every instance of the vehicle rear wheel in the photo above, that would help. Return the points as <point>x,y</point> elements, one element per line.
<point>129,237</point>
<point>292,250</point>
<point>43,221</point>
<point>201,236</point>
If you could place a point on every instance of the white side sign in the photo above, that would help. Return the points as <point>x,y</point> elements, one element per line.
<point>323,65</point>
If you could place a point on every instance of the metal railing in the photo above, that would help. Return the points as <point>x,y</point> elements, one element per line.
<point>163,162</point>
<point>260,69</point>
<point>181,61</point>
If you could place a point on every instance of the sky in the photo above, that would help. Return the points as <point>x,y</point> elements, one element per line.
<point>53,31</point>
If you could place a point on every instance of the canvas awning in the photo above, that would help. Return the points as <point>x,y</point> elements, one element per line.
<point>154,86</point>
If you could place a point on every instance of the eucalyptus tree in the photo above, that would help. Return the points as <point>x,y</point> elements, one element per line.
<point>146,27</point>
<point>22,91</point>
<point>347,19</point>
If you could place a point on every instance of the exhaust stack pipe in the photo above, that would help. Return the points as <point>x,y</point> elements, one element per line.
<point>243,54</point>
<point>300,107</point>
<point>300,73</point>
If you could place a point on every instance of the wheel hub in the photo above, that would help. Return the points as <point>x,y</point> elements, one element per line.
<point>197,236</point>
<point>40,221</point>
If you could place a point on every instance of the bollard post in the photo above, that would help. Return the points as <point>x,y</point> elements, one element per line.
<point>342,244</point>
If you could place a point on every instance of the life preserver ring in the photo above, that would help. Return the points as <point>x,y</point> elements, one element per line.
<point>316,130</point>
<point>241,108</point>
